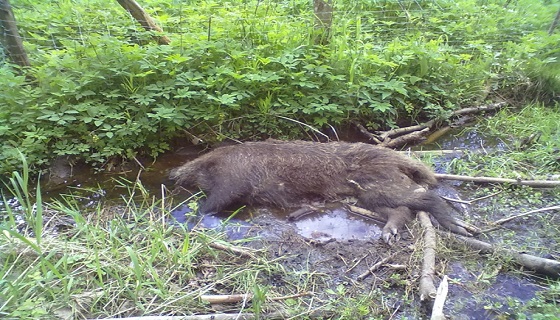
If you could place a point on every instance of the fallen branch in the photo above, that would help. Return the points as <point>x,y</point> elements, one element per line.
<point>427,288</point>
<point>435,152</point>
<point>439,301</point>
<point>530,183</point>
<point>404,139</point>
<point>366,133</point>
<point>400,131</point>
<point>488,107</point>
<point>540,265</point>
<point>384,136</point>
<point>303,211</point>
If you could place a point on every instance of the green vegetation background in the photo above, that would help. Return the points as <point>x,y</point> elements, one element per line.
<point>102,88</point>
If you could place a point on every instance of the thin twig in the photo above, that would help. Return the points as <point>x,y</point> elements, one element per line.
<point>293,296</point>
<point>502,221</point>
<point>376,266</point>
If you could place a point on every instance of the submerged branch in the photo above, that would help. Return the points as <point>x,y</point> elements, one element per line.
<point>530,183</point>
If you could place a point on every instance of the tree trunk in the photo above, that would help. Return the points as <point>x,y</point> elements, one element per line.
<point>143,18</point>
<point>10,37</point>
<point>554,23</point>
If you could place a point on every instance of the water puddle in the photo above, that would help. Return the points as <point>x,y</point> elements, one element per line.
<point>337,224</point>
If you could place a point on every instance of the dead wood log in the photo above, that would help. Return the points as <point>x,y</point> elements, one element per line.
<point>530,183</point>
<point>303,211</point>
<point>540,265</point>
<point>426,288</point>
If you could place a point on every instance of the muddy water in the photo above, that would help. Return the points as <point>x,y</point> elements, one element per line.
<point>334,223</point>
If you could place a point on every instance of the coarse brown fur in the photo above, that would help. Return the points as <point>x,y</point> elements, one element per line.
<point>284,174</point>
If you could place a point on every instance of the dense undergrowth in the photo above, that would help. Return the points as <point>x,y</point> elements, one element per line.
<point>100,87</point>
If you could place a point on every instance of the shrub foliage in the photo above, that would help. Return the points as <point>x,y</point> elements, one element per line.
<point>100,87</point>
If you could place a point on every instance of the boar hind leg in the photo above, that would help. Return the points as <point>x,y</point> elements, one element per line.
<point>396,219</point>
<point>433,204</point>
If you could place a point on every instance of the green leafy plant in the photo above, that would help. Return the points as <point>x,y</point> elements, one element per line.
<point>103,90</point>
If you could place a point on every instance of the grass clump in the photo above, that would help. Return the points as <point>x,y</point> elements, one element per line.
<point>114,261</point>
<point>516,144</point>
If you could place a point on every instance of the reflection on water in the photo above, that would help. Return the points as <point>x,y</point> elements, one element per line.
<point>337,224</point>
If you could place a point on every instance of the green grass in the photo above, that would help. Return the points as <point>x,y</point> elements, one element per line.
<point>112,261</point>
<point>530,142</point>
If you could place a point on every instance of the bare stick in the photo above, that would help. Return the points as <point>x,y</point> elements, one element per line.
<point>367,213</point>
<point>435,152</point>
<point>233,249</point>
<point>427,288</point>
<point>439,301</point>
<point>502,221</point>
<point>540,265</point>
<point>530,183</point>
<point>226,298</point>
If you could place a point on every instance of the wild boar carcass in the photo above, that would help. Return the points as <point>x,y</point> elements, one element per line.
<point>285,174</point>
